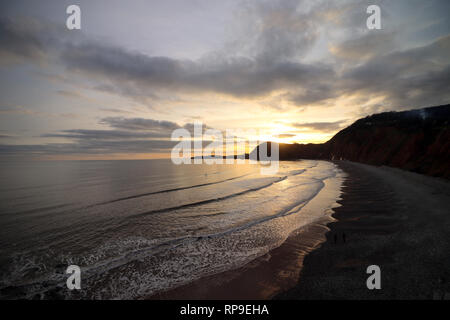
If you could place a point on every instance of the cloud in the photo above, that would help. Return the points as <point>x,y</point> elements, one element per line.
<point>70,94</point>
<point>90,147</point>
<point>127,135</point>
<point>83,134</point>
<point>320,93</point>
<point>17,110</point>
<point>283,32</point>
<point>140,76</point>
<point>273,31</point>
<point>235,76</point>
<point>284,135</point>
<point>139,124</point>
<point>321,126</point>
<point>369,45</point>
<point>405,79</point>
<point>115,110</point>
<point>21,41</point>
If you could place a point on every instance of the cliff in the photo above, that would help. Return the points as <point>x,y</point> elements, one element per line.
<point>416,140</point>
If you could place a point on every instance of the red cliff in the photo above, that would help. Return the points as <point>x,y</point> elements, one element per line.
<point>416,140</point>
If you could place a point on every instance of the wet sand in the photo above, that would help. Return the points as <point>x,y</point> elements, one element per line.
<point>395,219</point>
<point>261,279</point>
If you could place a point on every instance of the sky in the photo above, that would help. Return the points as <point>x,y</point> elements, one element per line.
<point>296,71</point>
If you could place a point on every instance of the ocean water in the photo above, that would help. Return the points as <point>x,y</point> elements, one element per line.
<point>139,227</point>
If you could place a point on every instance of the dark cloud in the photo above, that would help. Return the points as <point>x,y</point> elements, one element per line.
<point>82,134</point>
<point>69,94</point>
<point>139,124</point>
<point>413,77</point>
<point>320,93</point>
<point>369,45</point>
<point>16,110</point>
<point>114,110</point>
<point>128,135</point>
<point>241,77</point>
<point>137,75</point>
<point>89,146</point>
<point>21,40</point>
<point>406,79</point>
<point>321,126</point>
<point>285,135</point>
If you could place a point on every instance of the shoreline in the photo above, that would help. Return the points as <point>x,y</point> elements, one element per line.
<point>274,272</point>
<point>260,279</point>
<point>392,218</point>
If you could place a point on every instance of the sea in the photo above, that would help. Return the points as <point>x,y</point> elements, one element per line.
<point>139,227</point>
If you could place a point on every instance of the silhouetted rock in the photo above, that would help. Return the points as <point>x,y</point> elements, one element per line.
<point>416,140</point>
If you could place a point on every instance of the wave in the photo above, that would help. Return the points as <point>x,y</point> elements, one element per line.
<point>174,256</point>
<point>56,280</point>
<point>164,191</point>
<point>198,203</point>
<point>296,172</point>
<point>42,210</point>
<point>36,209</point>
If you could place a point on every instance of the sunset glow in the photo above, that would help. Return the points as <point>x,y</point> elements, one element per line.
<point>294,71</point>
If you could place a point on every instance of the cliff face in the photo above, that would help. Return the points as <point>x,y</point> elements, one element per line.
<point>416,140</point>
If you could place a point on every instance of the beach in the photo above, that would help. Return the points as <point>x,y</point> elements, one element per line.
<point>391,218</point>
<point>395,219</point>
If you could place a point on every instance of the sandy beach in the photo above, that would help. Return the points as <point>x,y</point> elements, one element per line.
<point>395,219</point>
<point>392,218</point>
